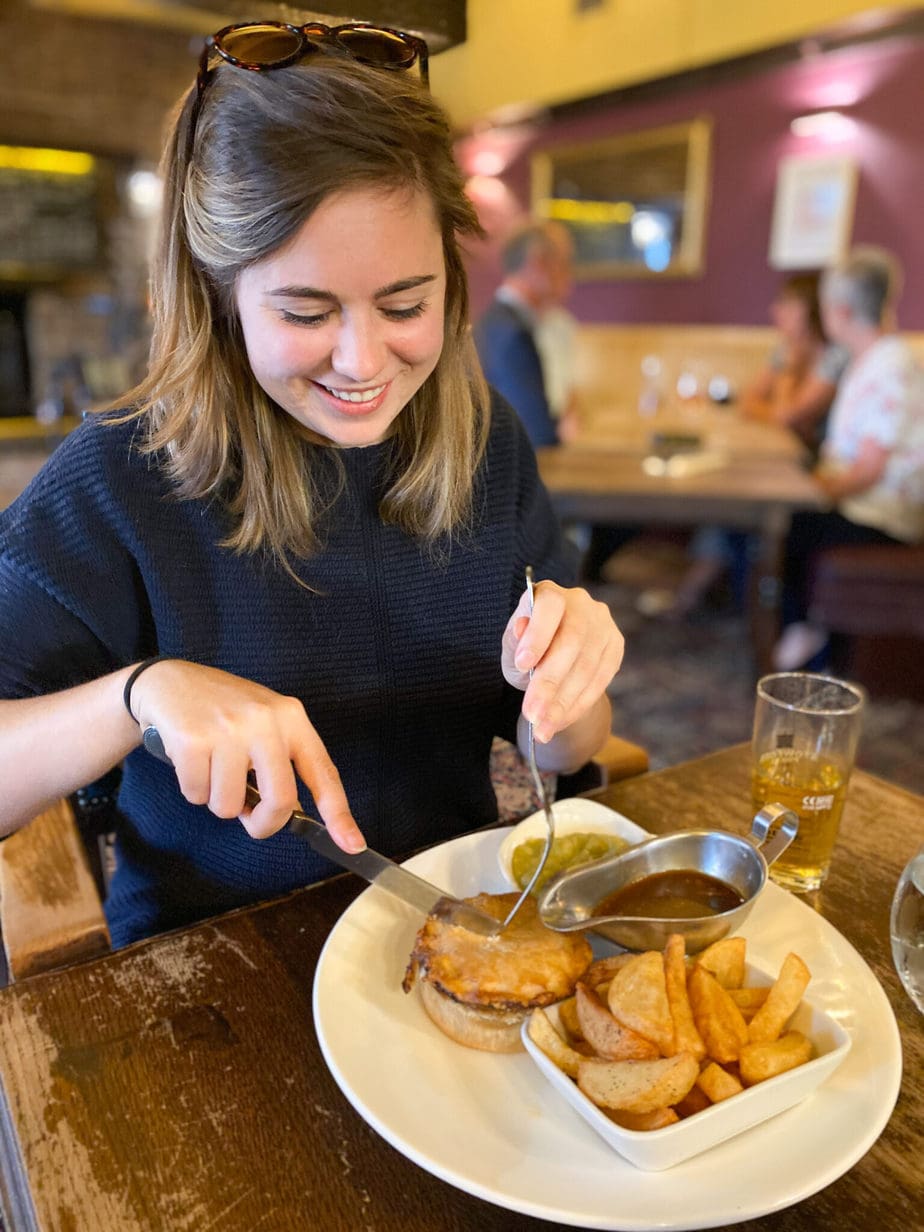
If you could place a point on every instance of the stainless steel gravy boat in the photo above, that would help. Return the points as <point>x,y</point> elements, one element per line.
<point>567,903</point>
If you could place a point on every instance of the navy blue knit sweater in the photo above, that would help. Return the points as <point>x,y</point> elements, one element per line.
<point>395,655</point>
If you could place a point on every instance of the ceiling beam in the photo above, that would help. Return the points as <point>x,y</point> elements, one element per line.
<point>440,22</point>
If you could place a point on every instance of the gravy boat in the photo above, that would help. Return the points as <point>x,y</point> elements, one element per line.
<point>567,903</point>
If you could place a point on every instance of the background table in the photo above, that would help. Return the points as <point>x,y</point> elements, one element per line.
<point>751,492</point>
<point>177,1086</point>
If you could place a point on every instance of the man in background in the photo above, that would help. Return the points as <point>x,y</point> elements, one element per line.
<point>521,340</point>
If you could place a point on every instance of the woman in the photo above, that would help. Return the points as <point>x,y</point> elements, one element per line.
<point>311,513</point>
<point>795,389</point>
<point>797,386</point>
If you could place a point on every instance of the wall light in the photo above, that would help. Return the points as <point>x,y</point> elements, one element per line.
<point>824,125</point>
<point>488,162</point>
<point>486,190</point>
<point>48,162</point>
<point>145,190</point>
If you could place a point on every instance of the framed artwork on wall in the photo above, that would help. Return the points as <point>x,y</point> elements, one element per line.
<point>635,203</point>
<point>812,210</point>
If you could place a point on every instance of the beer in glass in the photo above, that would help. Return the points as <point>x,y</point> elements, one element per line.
<point>806,729</point>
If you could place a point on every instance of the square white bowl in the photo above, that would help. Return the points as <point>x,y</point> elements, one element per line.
<point>657,1149</point>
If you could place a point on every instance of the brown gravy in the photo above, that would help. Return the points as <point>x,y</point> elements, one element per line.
<point>679,894</point>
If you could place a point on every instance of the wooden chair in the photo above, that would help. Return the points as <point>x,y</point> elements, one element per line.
<point>51,913</point>
<point>871,597</point>
<point>50,909</point>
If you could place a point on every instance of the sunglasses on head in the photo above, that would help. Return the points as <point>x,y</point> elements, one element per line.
<point>262,46</point>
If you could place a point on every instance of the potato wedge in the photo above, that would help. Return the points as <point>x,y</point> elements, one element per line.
<point>602,970</point>
<point>567,1016</point>
<point>694,1101</point>
<point>761,1061</point>
<point>718,1083</point>
<point>638,1086</point>
<point>543,1034</point>
<point>686,1036</point>
<point>782,1001</point>
<point>609,1038</point>
<point>637,998</point>
<point>658,1119</point>
<point>717,1018</point>
<point>748,1000</point>
<point>725,959</point>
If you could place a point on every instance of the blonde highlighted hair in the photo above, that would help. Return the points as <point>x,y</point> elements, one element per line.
<point>269,148</point>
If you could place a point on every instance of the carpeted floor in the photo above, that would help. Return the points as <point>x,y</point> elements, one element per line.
<point>686,688</point>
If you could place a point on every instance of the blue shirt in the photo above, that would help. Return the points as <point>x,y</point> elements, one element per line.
<point>394,651</point>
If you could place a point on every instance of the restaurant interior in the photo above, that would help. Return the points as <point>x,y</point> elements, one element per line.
<point>698,152</point>
<point>722,114</point>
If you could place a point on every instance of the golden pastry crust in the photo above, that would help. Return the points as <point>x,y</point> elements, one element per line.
<point>527,965</point>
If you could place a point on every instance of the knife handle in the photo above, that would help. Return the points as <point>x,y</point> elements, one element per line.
<point>299,822</point>
<point>371,865</point>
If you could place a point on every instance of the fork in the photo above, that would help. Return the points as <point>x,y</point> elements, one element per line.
<point>540,789</point>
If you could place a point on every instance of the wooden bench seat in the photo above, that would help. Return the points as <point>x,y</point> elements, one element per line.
<point>608,365</point>
<point>49,905</point>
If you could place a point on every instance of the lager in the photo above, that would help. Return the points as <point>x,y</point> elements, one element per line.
<point>813,788</point>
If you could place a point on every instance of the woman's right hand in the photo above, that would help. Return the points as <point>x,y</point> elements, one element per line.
<point>216,727</point>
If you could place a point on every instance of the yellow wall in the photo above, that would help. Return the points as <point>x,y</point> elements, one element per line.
<point>542,51</point>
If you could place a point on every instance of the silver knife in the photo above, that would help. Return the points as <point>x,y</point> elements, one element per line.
<point>373,867</point>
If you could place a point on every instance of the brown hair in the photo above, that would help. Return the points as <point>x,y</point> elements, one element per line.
<point>804,287</point>
<point>269,148</point>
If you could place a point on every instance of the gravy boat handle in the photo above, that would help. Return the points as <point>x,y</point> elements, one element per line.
<point>773,814</point>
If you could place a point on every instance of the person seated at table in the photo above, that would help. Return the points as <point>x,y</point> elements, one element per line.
<point>871,468</point>
<point>797,386</point>
<point>309,524</point>
<point>795,390</point>
<point>537,259</point>
<point>523,342</point>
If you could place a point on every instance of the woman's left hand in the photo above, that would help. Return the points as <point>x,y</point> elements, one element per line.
<point>575,648</point>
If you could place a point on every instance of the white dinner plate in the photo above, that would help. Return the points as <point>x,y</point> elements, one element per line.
<point>492,1126</point>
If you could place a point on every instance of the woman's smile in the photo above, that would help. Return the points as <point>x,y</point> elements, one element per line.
<point>355,401</point>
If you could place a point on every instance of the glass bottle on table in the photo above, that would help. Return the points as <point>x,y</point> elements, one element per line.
<point>650,394</point>
<point>906,928</point>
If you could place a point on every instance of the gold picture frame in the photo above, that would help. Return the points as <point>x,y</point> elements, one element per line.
<point>812,210</point>
<point>636,204</point>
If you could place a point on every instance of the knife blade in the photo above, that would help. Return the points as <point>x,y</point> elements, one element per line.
<point>373,867</point>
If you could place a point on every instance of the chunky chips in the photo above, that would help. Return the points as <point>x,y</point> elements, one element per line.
<point>667,1037</point>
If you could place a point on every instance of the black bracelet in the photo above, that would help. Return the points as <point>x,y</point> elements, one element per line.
<point>142,667</point>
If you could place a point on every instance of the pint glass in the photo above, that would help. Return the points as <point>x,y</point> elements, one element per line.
<point>806,729</point>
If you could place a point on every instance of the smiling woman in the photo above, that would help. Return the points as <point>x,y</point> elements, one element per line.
<point>297,548</point>
<point>343,338</point>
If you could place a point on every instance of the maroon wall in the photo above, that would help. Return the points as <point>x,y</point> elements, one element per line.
<point>751,117</point>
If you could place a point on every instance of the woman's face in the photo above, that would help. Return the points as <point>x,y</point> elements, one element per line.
<point>790,315</point>
<point>345,323</point>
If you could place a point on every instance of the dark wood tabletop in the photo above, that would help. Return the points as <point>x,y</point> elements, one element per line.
<point>177,1086</point>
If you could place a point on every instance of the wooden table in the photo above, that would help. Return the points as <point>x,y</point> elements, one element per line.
<point>620,426</point>
<point>177,1085</point>
<point>755,492</point>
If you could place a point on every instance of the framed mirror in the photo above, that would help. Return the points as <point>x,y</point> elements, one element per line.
<point>635,204</point>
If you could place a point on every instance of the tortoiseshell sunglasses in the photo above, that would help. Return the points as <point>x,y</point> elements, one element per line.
<point>262,46</point>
